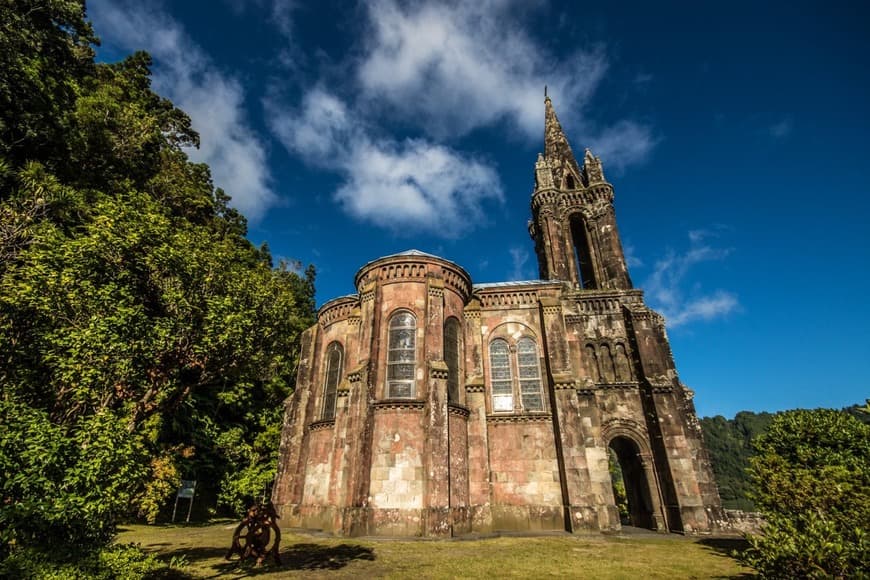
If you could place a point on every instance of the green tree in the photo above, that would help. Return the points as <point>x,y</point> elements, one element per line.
<point>143,338</point>
<point>729,442</point>
<point>811,478</point>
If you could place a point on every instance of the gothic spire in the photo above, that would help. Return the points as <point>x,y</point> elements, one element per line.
<point>557,151</point>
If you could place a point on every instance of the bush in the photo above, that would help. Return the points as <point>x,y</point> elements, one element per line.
<point>118,562</point>
<point>812,483</point>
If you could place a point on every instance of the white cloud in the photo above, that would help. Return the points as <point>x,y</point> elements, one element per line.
<point>213,99</point>
<point>665,286</point>
<point>320,131</point>
<point>444,69</point>
<point>418,184</point>
<point>458,65</point>
<point>455,66</point>
<point>394,184</point>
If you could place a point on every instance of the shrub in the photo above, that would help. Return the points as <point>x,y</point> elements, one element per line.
<point>812,483</point>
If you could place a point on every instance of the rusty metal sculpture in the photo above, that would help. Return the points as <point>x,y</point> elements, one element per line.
<point>253,537</point>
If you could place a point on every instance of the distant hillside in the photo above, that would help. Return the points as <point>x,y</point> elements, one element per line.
<point>730,444</point>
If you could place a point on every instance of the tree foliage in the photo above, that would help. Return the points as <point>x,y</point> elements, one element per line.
<point>729,442</point>
<point>811,478</point>
<point>143,338</point>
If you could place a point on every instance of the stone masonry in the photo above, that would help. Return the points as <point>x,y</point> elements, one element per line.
<point>426,405</point>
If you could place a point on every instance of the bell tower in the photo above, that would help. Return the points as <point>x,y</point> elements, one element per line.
<point>573,222</point>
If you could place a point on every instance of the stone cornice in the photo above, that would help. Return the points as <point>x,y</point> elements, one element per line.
<point>355,374</point>
<point>519,418</point>
<point>458,410</point>
<point>590,199</point>
<point>399,404</point>
<point>337,309</point>
<point>438,370</point>
<point>321,425</point>
<point>475,385</point>
<point>415,268</point>
<point>627,386</point>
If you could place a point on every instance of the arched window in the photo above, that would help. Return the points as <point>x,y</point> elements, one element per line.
<point>334,360</point>
<point>530,375</point>
<point>623,365</point>
<point>502,379</point>
<point>452,353</point>
<point>608,372</point>
<point>582,252</point>
<point>402,357</point>
<point>525,366</point>
<point>569,182</point>
<point>591,361</point>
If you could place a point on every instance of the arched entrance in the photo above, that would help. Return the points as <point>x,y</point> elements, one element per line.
<point>634,490</point>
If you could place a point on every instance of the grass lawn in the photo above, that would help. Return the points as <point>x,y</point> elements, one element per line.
<point>593,556</point>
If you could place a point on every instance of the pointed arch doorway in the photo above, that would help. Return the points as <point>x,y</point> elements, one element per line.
<point>632,492</point>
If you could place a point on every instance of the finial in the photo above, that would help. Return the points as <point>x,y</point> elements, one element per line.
<point>545,91</point>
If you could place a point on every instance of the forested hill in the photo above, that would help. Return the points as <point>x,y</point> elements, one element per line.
<point>729,442</point>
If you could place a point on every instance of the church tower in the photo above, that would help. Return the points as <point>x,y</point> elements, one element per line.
<point>573,222</point>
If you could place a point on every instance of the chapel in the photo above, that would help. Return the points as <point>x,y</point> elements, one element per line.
<point>428,405</point>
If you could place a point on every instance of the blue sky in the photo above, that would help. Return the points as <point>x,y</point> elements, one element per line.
<point>735,135</point>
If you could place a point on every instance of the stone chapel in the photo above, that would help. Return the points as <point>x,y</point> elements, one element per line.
<point>427,405</point>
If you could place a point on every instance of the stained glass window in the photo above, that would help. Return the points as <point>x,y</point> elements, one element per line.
<point>501,379</point>
<point>401,356</point>
<point>530,375</point>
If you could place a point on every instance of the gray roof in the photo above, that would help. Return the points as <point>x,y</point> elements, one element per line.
<point>413,252</point>
<point>514,283</point>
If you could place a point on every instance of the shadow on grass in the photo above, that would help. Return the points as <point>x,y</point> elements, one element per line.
<point>303,557</point>
<point>728,548</point>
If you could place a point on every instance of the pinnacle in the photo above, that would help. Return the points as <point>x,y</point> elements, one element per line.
<point>557,150</point>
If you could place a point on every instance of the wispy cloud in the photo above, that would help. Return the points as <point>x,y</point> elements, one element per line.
<point>666,285</point>
<point>631,258</point>
<point>643,78</point>
<point>780,130</point>
<point>280,12</point>
<point>214,99</point>
<point>520,269</point>
<point>413,183</point>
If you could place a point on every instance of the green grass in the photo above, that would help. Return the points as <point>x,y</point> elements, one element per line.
<point>591,556</point>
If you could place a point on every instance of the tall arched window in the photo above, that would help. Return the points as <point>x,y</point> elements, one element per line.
<point>582,252</point>
<point>402,357</point>
<point>623,365</point>
<point>530,375</point>
<point>608,372</point>
<point>502,379</point>
<point>591,361</point>
<point>334,360</point>
<point>452,353</point>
